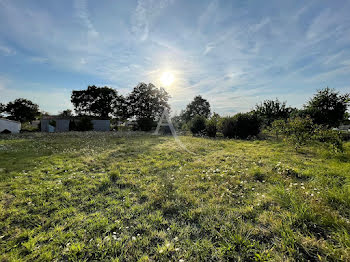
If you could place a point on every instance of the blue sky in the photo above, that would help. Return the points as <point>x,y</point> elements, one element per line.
<point>233,53</point>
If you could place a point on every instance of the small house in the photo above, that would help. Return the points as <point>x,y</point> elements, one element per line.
<point>10,126</point>
<point>59,124</point>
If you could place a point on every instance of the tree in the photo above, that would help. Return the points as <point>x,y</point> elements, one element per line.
<point>241,125</point>
<point>66,113</point>
<point>212,124</point>
<point>199,106</point>
<point>96,101</point>
<point>271,110</point>
<point>2,108</point>
<point>327,107</point>
<point>121,109</point>
<point>147,102</point>
<point>22,110</point>
<point>197,126</point>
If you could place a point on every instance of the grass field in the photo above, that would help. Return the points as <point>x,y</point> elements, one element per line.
<point>136,197</point>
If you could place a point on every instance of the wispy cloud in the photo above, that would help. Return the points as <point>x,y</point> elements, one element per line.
<point>83,14</point>
<point>145,13</point>
<point>232,52</point>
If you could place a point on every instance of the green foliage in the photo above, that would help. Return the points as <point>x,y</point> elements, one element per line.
<point>278,127</point>
<point>329,137</point>
<point>328,107</point>
<point>145,124</point>
<point>228,126</point>
<point>66,113</point>
<point>301,131</point>
<point>241,126</point>
<point>84,124</point>
<point>27,127</point>
<point>2,108</point>
<point>271,110</point>
<point>198,107</point>
<point>197,125</point>
<point>98,101</point>
<point>22,110</point>
<point>211,127</point>
<point>147,101</point>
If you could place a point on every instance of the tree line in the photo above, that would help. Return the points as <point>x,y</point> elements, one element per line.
<point>145,104</point>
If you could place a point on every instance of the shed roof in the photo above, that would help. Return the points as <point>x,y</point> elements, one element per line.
<point>10,120</point>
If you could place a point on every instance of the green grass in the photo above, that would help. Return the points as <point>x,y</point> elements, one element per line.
<point>121,197</point>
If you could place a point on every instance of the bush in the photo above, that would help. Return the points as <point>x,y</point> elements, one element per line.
<point>278,127</point>
<point>211,128</point>
<point>301,131</point>
<point>228,127</point>
<point>84,124</point>
<point>212,125</point>
<point>330,137</point>
<point>345,136</point>
<point>197,125</point>
<point>27,127</point>
<point>297,131</point>
<point>241,126</point>
<point>145,124</point>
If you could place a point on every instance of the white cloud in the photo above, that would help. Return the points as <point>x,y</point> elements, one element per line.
<point>145,13</point>
<point>83,14</point>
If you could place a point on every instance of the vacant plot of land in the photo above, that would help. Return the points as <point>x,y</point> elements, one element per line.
<point>104,196</point>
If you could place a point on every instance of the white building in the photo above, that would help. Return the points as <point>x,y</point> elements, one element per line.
<point>10,125</point>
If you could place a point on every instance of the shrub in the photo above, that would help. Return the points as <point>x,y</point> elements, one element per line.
<point>247,125</point>
<point>211,127</point>
<point>84,124</point>
<point>228,127</point>
<point>329,137</point>
<point>278,127</point>
<point>145,124</point>
<point>345,136</point>
<point>197,125</point>
<point>27,127</point>
<point>300,131</point>
<point>241,126</point>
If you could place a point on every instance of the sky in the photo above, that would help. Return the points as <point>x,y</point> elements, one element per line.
<point>234,53</point>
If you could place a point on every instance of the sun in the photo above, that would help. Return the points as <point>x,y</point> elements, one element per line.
<point>167,78</point>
